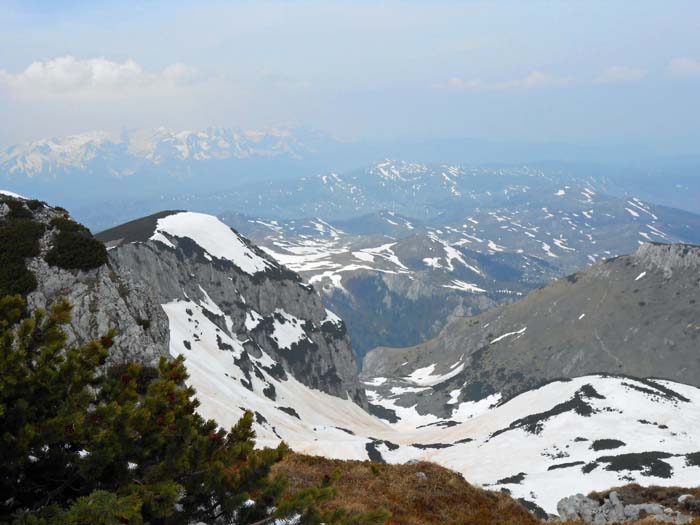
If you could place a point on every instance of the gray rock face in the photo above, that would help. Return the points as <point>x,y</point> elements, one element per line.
<point>613,510</point>
<point>633,315</point>
<point>183,270</point>
<point>577,507</point>
<point>101,299</point>
<point>127,294</point>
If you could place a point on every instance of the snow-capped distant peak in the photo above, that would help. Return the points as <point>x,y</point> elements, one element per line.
<point>154,145</point>
<point>213,236</point>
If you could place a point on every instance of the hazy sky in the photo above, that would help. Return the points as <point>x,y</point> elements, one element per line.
<point>565,71</point>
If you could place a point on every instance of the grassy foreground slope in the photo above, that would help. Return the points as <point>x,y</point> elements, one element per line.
<point>423,493</point>
<point>419,493</point>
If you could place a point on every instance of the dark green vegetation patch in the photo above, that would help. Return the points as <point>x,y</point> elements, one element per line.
<point>19,238</point>
<point>65,224</point>
<point>606,444</point>
<point>18,210</point>
<point>74,248</point>
<point>693,459</point>
<point>648,463</point>
<point>69,454</point>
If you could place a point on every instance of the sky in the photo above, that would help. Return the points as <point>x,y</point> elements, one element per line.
<point>579,72</point>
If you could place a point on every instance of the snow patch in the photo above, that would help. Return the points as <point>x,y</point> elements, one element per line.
<point>509,334</point>
<point>214,237</point>
<point>464,286</point>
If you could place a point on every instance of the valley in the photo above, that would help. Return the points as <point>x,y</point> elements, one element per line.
<point>256,337</point>
<point>349,263</point>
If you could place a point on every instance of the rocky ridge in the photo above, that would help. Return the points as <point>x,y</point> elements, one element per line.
<point>127,287</point>
<point>102,298</point>
<point>596,321</point>
<point>195,260</point>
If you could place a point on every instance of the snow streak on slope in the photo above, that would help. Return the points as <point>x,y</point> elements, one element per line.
<point>213,236</point>
<point>466,287</point>
<point>566,437</point>
<point>327,259</point>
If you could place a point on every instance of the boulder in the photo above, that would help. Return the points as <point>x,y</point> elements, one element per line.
<point>613,510</point>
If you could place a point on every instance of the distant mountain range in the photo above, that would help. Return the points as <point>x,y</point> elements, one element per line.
<point>520,210</point>
<point>132,150</point>
<point>398,278</point>
<point>135,169</point>
<point>396,247</point>
<point>107,178</point>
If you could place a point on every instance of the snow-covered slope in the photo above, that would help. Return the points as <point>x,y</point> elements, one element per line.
<point>11,194</point>
<point>224,294</point>
<point>213,236</point>
<point>567,437</point>
<point>260,340</point>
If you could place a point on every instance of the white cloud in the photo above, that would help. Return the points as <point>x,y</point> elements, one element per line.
<point>619,74</point>
<point>93,78</point>
<point>535,80</point>
<point>684,67</point>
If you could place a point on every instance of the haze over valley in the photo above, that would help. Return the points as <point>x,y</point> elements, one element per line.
<point>283,255</point>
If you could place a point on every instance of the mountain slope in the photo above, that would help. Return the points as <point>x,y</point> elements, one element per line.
<point>397,279</point>
<point>635,315</point>
<point>221,292</point>
<point>394,291</point>
<point>64,261</point>
<point>563,431</point>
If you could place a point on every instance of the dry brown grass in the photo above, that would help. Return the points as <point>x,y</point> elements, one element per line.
<point>441,497</point>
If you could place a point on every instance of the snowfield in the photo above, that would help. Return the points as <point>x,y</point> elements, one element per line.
<point>563,438</point>
<point>217,239</point>
<point>566,437</point>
